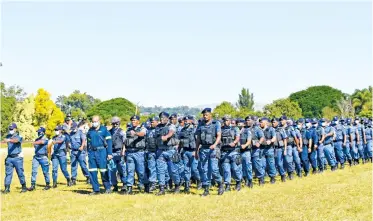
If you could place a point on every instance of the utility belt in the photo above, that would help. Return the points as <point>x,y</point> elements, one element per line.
<point>265,146</point>
<point>227,148</point>
<point>245,150</point>
<point>369,139</point>
<point>205,146</point>
<point>327,143</point>
<point>134,150</point>
<point>117,150</point>
<point>97,148</point>
<point>60,151</point>
<point>291,144</point>
<point>166,148</point>
<point>13,155</point>
<point>40,155</point>
<point>338,141</point>
<point>279,147</point>
<point>189,149</point>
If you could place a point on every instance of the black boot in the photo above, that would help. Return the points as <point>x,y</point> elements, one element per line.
<point>32,188</point>
<point>7,189</point>
<point>94,193</point>
<point>187,188</point>
<point>221,189</point>
<point>47,187</point>
<point>24,188</point>
<point>199,185</point>
<point>161,191</point>
<point>115,189</point>
<point>350,162</point>
<point>314,171</point>
<point>129,190</point>
<point>177,188</point>
<point>273,180</point>
<point>363,160</point>
<point>261,181</point>
<point>152,187</point>
<point>227,187</point>
<point>291,176</point>
<point>73,182</point>
<point>69,183</point>
<point>306,173</point>
<point>170,184</point>
<point>342,166</point>
<point>147,188</point>
<point>88,181</point>
<point>108,191</point>
<point>299,174</point>
<point>54,184</point>
<point>124,188</point>
<point>249,183</point>
<point>238,186</point>
<point>334,168</point>
<point>206,192</point>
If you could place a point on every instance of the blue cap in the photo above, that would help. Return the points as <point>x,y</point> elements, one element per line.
<point>301,120</point>
<point>322,120</point>
<point>74,125</point>
<point>314,121</point>
<point>348,120</point>
<point>58,128</point>
<point>226,118</point>
<point>155,118</point>
<point>164,114</point>
<point>283,117</point>
<point>135,117</point>
<point>188,117</point>
<point>247,118</point>
<point>264,118</point>
<point>173,116</point>
<point>274,119</point>
<point>335,118</point>
<point>342,119</point>
<point>41,129</point>
<point>12,126</point>
<point>307,120</point>
<point>206,110</point>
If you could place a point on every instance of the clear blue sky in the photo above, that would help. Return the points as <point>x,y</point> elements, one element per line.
<point>186,53</point>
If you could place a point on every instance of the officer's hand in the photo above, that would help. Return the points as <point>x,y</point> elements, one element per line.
<point>164,138</point>
<point>109,157</point>
<point>232,144</point>
<point>212,147</point>
<point>309,150</point>
<point>194,153</point>
<point>123,153</point>
<point>243,146</point>
<point>268,142</point>
<point>132,133</point>
<point>6,140</point>
<point>300,150</point>
<point>285,152</point>
<point>81,148</point>
<point>257,145</point>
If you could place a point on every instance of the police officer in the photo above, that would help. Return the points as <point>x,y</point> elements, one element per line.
<point>353,137</point>
<point>305,125</point>
<point>268,147</point>
<point>347,145</point>
<point>150,156</point>
<point>209,136</point>
<point>314,146</point>
<point>320,148</point>
<point>230,157</point>
<point>180,163</point>
<point>118,138</point>
<point>188,145</point>
<point>339,140</point>
<point>14,158</point>
<point>167,155</point>
<point>369,136</point>
<point>40,158</point>
<point>78,153</point>
<point>361,139</point>
<point>59,156</point>
<point>281,148</point>
<point>295,141</point>
<point>328,145</point>
<point>256,155</point>
<point>135,153</point>
<point>99,145</point>
<point>245,151</point>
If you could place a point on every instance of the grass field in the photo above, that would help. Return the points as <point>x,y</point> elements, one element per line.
<point>341,195</point>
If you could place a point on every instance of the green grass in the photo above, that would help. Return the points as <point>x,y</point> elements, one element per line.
<point>341,195</point>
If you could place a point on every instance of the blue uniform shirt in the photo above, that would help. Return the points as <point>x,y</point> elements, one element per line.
<point>368,133</point>
<point>329,139</point>
<point>351,131</point>
<point>269,133</point>
<point>314,136</point>
<point>361,131</point>
<point>76,139</point>
<point>14,148</point>
<point>41,149</point>
<point>95,139</point>
<point>340,132</point>
<point>59,146</point>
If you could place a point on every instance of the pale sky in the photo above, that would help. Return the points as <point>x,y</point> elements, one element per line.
<point>170,54</point>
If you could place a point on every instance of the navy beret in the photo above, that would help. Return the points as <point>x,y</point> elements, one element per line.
<point>12,126</point>
<point>301,120</point>
<point>135,117</point>
<point>283,117</point>
<point>173,116</point>
<point>155,118</point>
<point>264,118</point>
<point>41,129</point>
<point>164,114</point>
<point>274,120</point>
<point>206,110</point>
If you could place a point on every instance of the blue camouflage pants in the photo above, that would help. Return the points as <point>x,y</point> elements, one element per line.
<point>279,160</point>
<point>329,154</point>
<point>320,157</point>
<point>59,159</point>
<point>269,156</point>
<point>135,163</point>
<point>231,162</point>
<point>360,148</point>
<point>120,168</point>
<point>164,163</point>
<point>190,164</point>
<point>368,149</point>
<point>347,151</point>
<point>76,157</point>
<point>247,167</point>
<point>256,159</point>
<point>354,150</point>
<point>288,160</point>
<point>44,163</point>
<point>151,168</point>
<point>10,164</point>
<point>339,152</point>
<point>209,166</point>
<point>313,158</point>
<point>97,161</point>
<point>305,159</point>
<point>296,159</point>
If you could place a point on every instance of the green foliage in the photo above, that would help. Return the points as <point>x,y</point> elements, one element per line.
<point>225,108</point>
<point>184,110</point>
<point>23,117</point>
<point>283,106</point>
<point>345,107</point>
<point>56,118</point>
<point>245,100</point>
<point>314,99</point>
<point>120,107</point>
<point>329,113</point>
<point>362,102</point>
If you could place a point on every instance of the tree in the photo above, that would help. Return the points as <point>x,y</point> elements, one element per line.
<point>23,117</point>
<point>345,107</point>
<point>362,101</point>
<point>13,91</point>
<point>314,99</point>
<point>120,107</point>
<point>56,118</point>
<point>329,113</point>
<point>225,108</point>
<point>283,106</point>
<point>245,100</point>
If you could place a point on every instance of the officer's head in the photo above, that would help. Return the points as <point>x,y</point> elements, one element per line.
<point>154,121</point>
<point>95,121</point>
<point>173,119</point>
<point>188,120</point>
<point>274,122</point>
<point>283,120</point>
<point>12,128</point>
<point>240,123</point>
<point>357,120</point>
<point>135,120</point>
<point>41,131</point>
<point>68,120</point>
<point>163,116</point>
<point>58,130</point>
<point>226,120</point>
<point>115,122</point>
<point>74,127</point>
<point>263,122</point>
<point>233,122</point>
<point>314,122</point>
<point>289,122</point>
<point>206,114</point>
<point>300,123</point>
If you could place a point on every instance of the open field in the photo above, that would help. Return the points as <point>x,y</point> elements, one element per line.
<point>341,195</point>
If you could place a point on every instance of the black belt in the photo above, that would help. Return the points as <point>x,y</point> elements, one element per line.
<point>279,147</point>
<point>328,143</point>
<point>245,150</point>
<point>40,155</point>
<point>13,155</point>
<point>228,149</point>
<point>133,150</point>
<point>97,148</point>
<point>369,139</point>
<point>188,149</point>
<point>338,141</point>
<point>166,148</point>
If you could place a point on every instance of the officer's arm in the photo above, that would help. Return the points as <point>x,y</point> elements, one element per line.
<point>357,136</point>
<point>15,139</point>
<point>83,138</point>
<point>285,139</point>
<point>198,141</point>
<point>351,133</point>
<point>141,133</point>
<point>59,141</point>
<point>322,137</point>
<point>218,138</point>
<point>248,142</point>
<point>170,133</point>
<point>365,139</point>
<point>109,143</point>
<point>237,137</point>
<point>41,141</point>
<point>295,135</point>
<point>273,137</point>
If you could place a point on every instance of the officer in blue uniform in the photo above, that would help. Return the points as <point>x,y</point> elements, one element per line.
<point>14,159</point>
<point>268,148</point>
<point>59,156</point>
<point>78,153</point>
<point>295,141</point>
<point>281,149</point>
<point>230,157</point>
<point>167,155</point>
<point>353,138</point>
<point>361,139</point>
<point>369,136</point>
<point>347,144</point>
<point>305,125</point>
<point>180,163</point>
<point>100,147</point>
<point>256,155</point>
<point>150,156</point>
<point>209,136</point>
<point>135,154</point>
<point>245,151</point>
<point>328,145</point>
<point>339,141</point>
<point>320,148</point>
<point>40,158</point>
<point>118,138</point>
<point>314,146</point>
<point>188,146</point>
